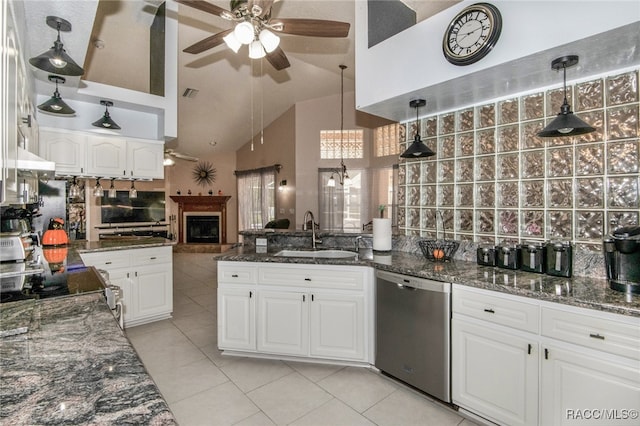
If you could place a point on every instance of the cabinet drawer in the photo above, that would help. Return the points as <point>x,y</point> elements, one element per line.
<point>593,330</point>
<point>236,273</point>
<point>106,260</point>
<point>497,309</point>
<point>336,277</point>
<point>152,256</point>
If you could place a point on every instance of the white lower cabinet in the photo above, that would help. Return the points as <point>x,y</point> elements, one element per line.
<point>144,275</point>
<point>519,361</point>
<point>322,312</point>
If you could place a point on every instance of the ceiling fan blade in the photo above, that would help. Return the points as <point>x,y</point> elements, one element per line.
<point>208,43</point>
<point>311,27</point>
<point>204,6</point>
<point>278,59</point>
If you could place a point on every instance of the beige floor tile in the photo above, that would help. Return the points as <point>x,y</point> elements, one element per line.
<point>187,380</point>
<point>289,398</point>
<point>201,292</point>
<point>187,310</point>
<point>314,371</point>
<point>358,387</point>
<point>197,318</point>
<point>335,413</point>
<point>202,336</point>
<point>467,422</point>
<point>148,328</point>
<point>214,354</point>
<point>251,373</point>
<point>158,359</point>
<point>218,406</point>
<point>407,408</point>
<point>258,419</point>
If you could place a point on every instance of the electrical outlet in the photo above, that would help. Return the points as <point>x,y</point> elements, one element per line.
<point>261,241</point>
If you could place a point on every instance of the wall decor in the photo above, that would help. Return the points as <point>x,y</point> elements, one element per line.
<point>204,173</point>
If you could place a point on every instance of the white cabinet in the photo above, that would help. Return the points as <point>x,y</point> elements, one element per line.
<point>283,322</point>
<point>67,149</point>
<point>237,308</point>
<point>145,159</point>
<point>145,276</point>
<point>337,326</point>
<point>106,157</point>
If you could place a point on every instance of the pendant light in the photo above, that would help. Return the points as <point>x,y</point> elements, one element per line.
<point>112,190</point>
<point>417,149</point>
<point>133,192</point>
<point>56,60</point>
<point>74,189</point>
<point>106,121</point>
<point>566,123</point>
<point>55,104</point>
<point>98,191</point>
<point>343,175</point>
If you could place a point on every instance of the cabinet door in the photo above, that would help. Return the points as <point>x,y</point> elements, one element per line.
<point>283,322</point>
<point>237,318</point>
<point>575,385</point>
<point>66,149</point>
<point>494,373</point>
<point>337,326</point>
<point>144,160</point>
<point>122,278</point>
<point>153,291</point>
<point>107,157</point>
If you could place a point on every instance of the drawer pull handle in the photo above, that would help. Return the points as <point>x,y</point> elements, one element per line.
<point>304,298</point>
<point>234,275</point>
<point>529,347</point>
<point>491,311</point>
<point>597,336</point>
<point>312,298</point>
<point>307,279</point>
<point>152,258</point>
<point>250,294</point>
<point>108,263</point>
<point>546,353</point>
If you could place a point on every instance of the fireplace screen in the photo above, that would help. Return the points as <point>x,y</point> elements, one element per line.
<point>202,229</point>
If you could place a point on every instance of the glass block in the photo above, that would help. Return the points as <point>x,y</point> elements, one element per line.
<point>414,196</point>
<point>464,170</point>
<point>429,172</point>
<point>465,144</point>
<point>560,224</point>
<point>532,193</point>
<point>428,219</point>
<point>402,216</point>
<point>508,111</point>
<point>428,196</point>
<point>508,222</point>
<point>623,157</point>
<point>508,138</point>
<point>590,192</point>
<point>413,174</point>
<point>445,171</point>
<point>561,141</point>
<point>482,239</point>
<point>508,166</point>
<point>486,116</point>
<point>445,195</point>
<point>402,132</point>
<point>590,160</point>
<point>530,137</point>
<point>560,162</point>
<point>555,98</point>
<point>533,106</point>
<point>402,174</point>
<point>486,141</point>
<point>465,195</point>
<point>413,218</point>
<point>485,168</point>
<point>402,198</point>
<point>431,127</point>
<point>532,223</point>
<point>622,122</point>
<point>589,95</point>
<point>508,194</point>
<point>485,195</point>
<point>465,120</point>
<point>594,119</point>
<point>619,219</point>
<point>560,193</point>
<point>447,123</point>
<point>414,129</point>
<point>485,221</point>
<point>465,221</point>
<point>533,164</point>
<point>433,144</point>
<point>623,192</point>
<point>447,146</point>
<point>622,89</point>
<point>590,225</point>
<point>447,218</point>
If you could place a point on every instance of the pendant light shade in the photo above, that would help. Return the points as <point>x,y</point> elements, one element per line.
<point>56,60</point>
<point>269,40</point>
<point>133,192</point>
<point>55,104</point>
<point>112,190</point>
<point>566,123</point>
<point>106,121</point>
<point>98,191</point>
<point>256,51</point>
<point>417,149</point>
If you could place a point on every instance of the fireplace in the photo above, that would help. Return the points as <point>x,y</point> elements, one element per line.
<point>201,227</point>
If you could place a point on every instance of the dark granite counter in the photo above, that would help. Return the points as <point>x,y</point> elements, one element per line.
<point>74,366</point>
<point>120,243</point>
<point>586,292</point>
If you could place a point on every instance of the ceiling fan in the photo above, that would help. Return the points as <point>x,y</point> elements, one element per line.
<point>170,154</point>
<point>256,28</point>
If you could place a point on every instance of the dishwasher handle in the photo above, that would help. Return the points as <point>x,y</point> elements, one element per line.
<point>406,287</point>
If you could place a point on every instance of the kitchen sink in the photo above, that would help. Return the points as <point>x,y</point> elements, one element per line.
<point>325,254</point>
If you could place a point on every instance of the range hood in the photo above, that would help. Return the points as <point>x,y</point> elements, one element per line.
<point>27,162</point>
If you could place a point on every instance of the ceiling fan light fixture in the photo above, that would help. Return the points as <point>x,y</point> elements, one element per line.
<point>106,122</point>
<point>269,40</point>
<point>256,50</point>
<point>56,60</point>
<point>55,104</point>
<point>417,149</point>
<point>232,42</point>
<point>244,32</point>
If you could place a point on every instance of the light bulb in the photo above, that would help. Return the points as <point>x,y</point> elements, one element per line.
<point>331,183</point>
<point>56,107</point>
<point>256,51</point>
<point>112,191</point>
<point>565,130</point>
<point>133,192</point>
<point>244,32</point>
<point>232,42</point>
<point>347,180</point>
<point>58,62</point>
<point>98,191</point>
<point>269,40</point>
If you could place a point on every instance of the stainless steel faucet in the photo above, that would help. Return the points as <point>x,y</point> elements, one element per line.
<point>308,215</point>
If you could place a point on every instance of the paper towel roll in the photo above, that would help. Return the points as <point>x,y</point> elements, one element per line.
<point>382,234</point>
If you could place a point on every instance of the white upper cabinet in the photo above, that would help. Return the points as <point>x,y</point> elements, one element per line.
<point>145,159</point>
<point>107,157</point>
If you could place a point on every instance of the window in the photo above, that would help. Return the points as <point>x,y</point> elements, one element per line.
<point>386,140</point>
<point>256,198</point>
<point>351,144</point>
<point>383,182</point>
<point>343,207</point>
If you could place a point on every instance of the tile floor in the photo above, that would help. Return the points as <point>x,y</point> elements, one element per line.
<point>204,387</point>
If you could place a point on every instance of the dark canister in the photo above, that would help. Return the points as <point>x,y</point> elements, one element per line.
<point>622,259</point>
<point>559,258</point>
<point>508,256</point>
<point>486,255</point>
<point>533,256</point>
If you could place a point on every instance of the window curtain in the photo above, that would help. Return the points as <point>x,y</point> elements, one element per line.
<point>256,198</point>
<point>343,207</point>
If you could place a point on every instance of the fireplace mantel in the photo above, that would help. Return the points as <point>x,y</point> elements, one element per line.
<point>202,203</point>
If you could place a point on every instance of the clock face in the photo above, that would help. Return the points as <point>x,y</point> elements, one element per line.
<point>472,34</point>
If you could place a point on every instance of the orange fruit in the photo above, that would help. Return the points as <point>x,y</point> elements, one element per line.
<point>438,254</point>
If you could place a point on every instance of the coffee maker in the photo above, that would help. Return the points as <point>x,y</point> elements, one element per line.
<point>622,259</point>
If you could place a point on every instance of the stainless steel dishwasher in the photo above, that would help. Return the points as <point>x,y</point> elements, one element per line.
<point>413,331</point>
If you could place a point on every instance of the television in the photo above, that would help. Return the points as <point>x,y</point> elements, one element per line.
<point>149,206</point>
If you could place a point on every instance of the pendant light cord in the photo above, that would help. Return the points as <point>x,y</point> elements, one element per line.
<point>342,67</point>
<point>252,105</point>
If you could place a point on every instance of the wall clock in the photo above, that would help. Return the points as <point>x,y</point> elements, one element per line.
<point>204,173</point>
<point>472,34</point>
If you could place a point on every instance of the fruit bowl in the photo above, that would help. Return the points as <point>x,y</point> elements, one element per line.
<point>438,250</point>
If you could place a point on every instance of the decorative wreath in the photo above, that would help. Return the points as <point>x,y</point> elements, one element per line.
<point>204,173</point>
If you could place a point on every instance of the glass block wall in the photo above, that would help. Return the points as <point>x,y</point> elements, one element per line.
<point>496,181</point>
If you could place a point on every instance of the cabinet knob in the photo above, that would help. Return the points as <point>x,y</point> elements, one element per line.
<point>234,275</point>
<point>307,279</point>
<point>596,336</point>
<point>152,258</point>
<point>489,310</point>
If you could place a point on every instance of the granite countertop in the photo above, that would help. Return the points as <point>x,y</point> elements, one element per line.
<point>120,243</point>
<point>591,293</point>
<point>74,365</point>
